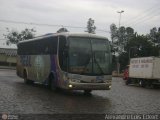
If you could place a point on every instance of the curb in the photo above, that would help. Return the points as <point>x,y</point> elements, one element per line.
<point>5,67</point>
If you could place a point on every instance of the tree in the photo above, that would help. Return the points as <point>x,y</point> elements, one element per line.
<point>13,37</point>
<point>120,37</point>
<point>129,31</point>
<point>128,44</point>
<point>155,36</point>
<point>62,30</point>
<point>90,26</point>
<point>114,37</point>
<point>114,33</point>
<point>140,45</point>
<point>137,46</point>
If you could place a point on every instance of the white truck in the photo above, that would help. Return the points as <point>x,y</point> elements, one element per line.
<point>144,71</point>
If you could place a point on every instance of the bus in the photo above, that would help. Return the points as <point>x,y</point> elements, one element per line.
<point>74,61</point>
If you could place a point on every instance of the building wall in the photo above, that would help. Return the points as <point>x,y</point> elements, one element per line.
<point>8,57</point>
<point>3,58</point>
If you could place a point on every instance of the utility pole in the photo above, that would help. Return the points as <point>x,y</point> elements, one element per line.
<point>120,12</point>
<point>118,64</point>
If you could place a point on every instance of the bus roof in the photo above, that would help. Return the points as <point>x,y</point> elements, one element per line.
<point>65,34</point>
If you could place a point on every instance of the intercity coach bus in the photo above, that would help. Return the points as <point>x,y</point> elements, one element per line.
<point>66,60</point>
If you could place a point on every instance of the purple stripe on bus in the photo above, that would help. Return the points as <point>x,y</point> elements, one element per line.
<point>53,67</point>
<point>57,72</point>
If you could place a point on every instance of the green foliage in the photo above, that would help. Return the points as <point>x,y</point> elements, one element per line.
<point>114,34</point>
<point>141,46</point>
<point>138,46</point>
<point>154,36</point>
<point>120,37</point>
<point>129,31</point>
<point>13,37</point>
<point>90,26</point>
<point>123,60</point>
<point>128,44</point>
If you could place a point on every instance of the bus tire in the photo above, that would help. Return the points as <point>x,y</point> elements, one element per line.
<point>52,85</point>
<point>87,91</point>
<point>26,80</point>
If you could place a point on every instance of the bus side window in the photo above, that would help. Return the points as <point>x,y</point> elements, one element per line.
<point>52,45</point>
<point>62,50</point>
<point>46,50</point>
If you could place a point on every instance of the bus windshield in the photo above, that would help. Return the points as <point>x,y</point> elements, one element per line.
<point>89,56</point>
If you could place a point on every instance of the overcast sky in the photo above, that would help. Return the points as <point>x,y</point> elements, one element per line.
<point>142,15</point>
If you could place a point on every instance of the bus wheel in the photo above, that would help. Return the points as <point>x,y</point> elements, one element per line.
<point>87,91</point>
<point>52,85</point>
<point>26,80</point>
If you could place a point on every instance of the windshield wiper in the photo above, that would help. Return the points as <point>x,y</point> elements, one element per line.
<point>85,66</point>
<point>97,63</point>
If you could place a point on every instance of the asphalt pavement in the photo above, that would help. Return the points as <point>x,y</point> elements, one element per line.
<point>19,98</point>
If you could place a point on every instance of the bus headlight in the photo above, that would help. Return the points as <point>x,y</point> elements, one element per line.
<point>70,86</point>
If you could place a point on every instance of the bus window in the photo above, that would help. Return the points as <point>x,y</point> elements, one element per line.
<point>63,58</point>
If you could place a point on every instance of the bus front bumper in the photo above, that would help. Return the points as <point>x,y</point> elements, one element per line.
<point>89,86</point>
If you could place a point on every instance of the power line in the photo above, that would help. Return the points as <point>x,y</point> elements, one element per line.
<point>18,22</point>
<point>2,39</point>
<point>100,30</point>
<point>48,25</point>
<point>144,20</point>
<point>38,24</point>
<point>140,15</point>
<point>147,18</point>
<point>143,14</point>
